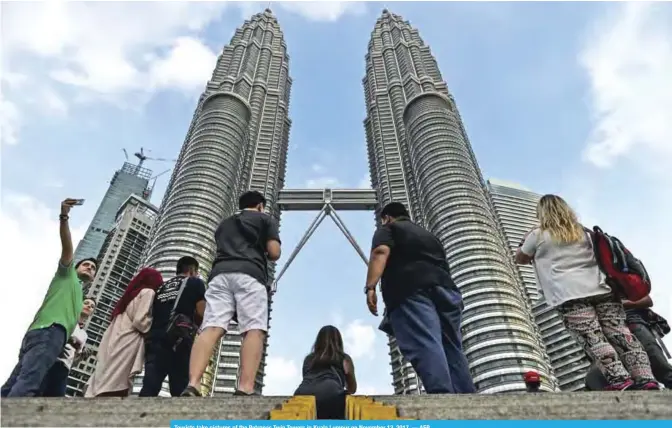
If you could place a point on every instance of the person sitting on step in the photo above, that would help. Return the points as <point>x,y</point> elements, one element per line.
<point>328,374</point>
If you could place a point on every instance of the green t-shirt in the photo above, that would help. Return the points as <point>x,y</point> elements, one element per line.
<point>63,303</point>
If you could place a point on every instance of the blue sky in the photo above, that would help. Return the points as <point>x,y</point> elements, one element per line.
<point>574,98</point>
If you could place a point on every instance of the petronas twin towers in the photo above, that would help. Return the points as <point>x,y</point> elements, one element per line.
<point>419,154</point>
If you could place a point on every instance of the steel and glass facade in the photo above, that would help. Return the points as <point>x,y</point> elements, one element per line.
<point>119,260</point>
<point>516,209</point>
<point>129,180</point>
<point>237,140</point>
<point>419,154</point>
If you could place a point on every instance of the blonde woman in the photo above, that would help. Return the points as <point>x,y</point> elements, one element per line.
<point>571,281</point>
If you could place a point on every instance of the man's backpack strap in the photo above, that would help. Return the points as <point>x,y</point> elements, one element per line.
<point>183,285</point>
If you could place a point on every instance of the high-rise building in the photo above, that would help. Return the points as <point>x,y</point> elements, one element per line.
<point>419,154</point>
<point>119,260</point>
<point>129,180</point>
<point>237,140</point>
<point>516,208</point>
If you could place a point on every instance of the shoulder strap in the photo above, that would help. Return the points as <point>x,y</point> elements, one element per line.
<point>179,294</point>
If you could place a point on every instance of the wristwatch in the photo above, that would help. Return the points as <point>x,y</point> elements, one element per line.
<point>366,289</point>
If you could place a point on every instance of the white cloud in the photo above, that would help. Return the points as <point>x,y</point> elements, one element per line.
<point>323,183</point>
<point>189,66</point>
<point>282,376</point>
<point>13,80</point>
<point>359,339</point>
<point>54,184</point>
<point>367,390</point>
<point>31,231</point>
<point>365,182</point>
<point>629,64</point>
<point>80,46</point>
<point>317,168</point>
<point>10,121</point>
<point>54,103</point>
<point>329,11</point>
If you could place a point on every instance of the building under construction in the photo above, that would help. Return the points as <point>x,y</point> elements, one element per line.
<point>119,260</point>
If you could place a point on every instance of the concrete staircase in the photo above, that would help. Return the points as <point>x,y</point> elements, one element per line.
<point>576,405</point>
<point>130,412</point>
<point>158,412</point>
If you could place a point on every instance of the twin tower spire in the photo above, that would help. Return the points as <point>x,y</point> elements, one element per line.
<point>419,154</point>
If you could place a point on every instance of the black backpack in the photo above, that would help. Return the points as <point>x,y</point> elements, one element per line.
<point>180,326</point>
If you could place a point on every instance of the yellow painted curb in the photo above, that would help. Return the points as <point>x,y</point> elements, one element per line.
<point>357,407</point>
<point>361,407</point>
<point>296,408</point>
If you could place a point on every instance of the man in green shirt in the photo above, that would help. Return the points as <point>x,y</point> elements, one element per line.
<point>56,319</point>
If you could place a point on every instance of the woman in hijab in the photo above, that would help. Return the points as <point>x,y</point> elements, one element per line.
<point>121,352</point>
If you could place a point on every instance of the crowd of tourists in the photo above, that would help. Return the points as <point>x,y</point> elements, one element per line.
<point>169,328</point>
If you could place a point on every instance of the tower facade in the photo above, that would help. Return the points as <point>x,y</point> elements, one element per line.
<point>237,141</point>
<point>419,154</point>
<point>119,260</point>
<point>129,180</point>
<point>516,208</point>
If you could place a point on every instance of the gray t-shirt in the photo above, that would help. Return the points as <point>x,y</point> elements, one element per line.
<point>241,244</point>
<point>564,271</point>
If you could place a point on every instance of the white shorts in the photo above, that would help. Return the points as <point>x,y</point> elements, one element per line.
<point>236,293</point>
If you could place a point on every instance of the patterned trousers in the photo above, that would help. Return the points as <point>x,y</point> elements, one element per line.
<point>599,326</point>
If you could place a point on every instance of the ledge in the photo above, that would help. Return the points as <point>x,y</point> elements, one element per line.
<point>158,412</point>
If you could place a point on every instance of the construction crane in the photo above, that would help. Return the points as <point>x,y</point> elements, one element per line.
<point>148,192</point>
<point>141,155</point>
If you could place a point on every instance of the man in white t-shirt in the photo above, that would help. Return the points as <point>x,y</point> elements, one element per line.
<point>56,380</point>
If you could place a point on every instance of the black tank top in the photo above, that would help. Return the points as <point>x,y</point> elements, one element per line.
<point>324,370</point>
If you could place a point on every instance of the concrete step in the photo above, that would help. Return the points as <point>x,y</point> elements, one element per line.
<point>577,405</point>
<point>132,411</point>
<point>158,412</point>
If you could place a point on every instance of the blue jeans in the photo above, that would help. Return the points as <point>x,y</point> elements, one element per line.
<point>427,328</point>
<point>162,361</point>
<point>56,380</point>
<point>39,350</point>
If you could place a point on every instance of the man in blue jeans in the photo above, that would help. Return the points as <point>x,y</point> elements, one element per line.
<point>56,319</point>
<point>423,304</point>
<point>183,294</point>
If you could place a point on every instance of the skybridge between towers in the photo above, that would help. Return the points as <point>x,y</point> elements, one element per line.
<point>327,202</point>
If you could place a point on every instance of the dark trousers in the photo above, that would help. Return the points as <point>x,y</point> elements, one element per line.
<point>39,350</point>
<point>426,326</point>
<point>162,361</point>
<point>56,380</point>
<point>329,397</point>
<point>660,366</point>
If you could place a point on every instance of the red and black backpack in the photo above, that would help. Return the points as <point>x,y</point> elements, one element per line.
<point>626,275</point>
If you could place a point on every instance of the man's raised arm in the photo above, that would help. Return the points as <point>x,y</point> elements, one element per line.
<point>66,240</point>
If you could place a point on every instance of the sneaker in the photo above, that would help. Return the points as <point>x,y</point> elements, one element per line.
<point>651,385</point>
<point>191,392</point>
<point>620,386</point>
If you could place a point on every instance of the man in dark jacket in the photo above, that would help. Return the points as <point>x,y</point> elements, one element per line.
<point>423,304</point>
